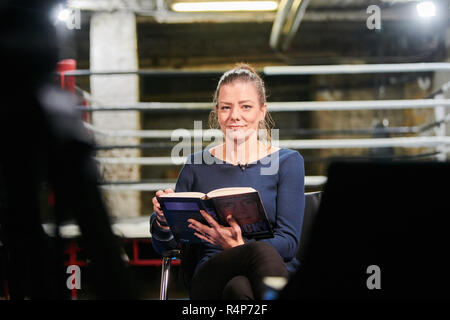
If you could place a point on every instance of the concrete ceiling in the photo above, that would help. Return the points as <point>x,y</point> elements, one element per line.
<point>318,10</point>
<point>332,31</point>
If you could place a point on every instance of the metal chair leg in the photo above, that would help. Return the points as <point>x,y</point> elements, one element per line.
<point>164,277</point>
<point>166,261</point>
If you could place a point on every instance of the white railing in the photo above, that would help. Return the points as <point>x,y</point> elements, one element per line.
<point>440,105</point>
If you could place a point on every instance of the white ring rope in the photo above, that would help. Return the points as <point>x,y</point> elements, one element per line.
<point>206,134</point>
<point>358,105</point>
<point>289,70</point>
<point>309,181</point>
<point>291,106</point>
<point>152,161</point>
<point>403,142</point>
<point>357,68</point>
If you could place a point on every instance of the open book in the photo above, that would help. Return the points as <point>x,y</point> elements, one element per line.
<point>243,203</point>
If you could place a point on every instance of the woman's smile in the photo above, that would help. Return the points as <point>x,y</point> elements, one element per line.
<point>235,127</point>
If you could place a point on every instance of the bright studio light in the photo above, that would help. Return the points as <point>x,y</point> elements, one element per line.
<point>63,14</point>
<point>426,9</point>
<point>224,6</point>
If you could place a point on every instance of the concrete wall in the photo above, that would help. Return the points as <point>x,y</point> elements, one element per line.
<point>391,89</point>
<point>114,47</point>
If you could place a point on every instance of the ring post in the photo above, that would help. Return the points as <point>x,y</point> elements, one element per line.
<point>67,83</point>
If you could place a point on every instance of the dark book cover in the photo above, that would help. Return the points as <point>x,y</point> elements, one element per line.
<point>247,209</point>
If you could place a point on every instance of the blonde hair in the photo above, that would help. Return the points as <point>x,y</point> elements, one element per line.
<point>243,72</point>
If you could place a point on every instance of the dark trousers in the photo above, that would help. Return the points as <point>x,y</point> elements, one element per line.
<point>237,273</point>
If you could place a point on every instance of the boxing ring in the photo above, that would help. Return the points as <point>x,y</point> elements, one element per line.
<point>135,231</point>
<point>439,141</point>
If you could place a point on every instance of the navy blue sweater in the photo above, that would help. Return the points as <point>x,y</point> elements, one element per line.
<point>278,177</point>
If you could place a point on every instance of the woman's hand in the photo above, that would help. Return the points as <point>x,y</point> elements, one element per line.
<point>224,237</point>
<point>160,218</point>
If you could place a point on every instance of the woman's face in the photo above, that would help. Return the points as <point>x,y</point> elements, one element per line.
<point>239,110</point>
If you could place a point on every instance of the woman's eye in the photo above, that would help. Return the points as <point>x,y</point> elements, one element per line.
<point>246,106</point>
<point>224,107</point>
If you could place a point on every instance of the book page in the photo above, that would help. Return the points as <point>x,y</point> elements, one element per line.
<point>229,191</point>
<point>183,195</point>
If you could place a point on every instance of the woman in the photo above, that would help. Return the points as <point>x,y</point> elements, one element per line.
<point>230,266</point>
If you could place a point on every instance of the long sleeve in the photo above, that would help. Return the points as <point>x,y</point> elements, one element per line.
<point>282,193</point>
<point>290,207</point>
<point>162,239</point>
